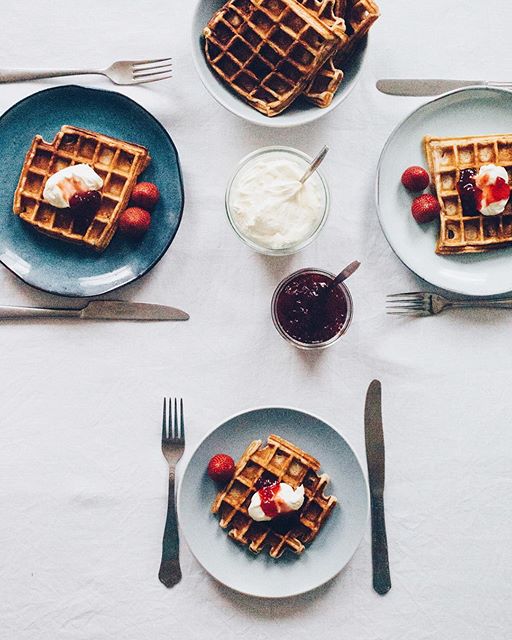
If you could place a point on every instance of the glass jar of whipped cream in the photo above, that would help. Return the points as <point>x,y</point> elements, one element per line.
<point>267,206</point>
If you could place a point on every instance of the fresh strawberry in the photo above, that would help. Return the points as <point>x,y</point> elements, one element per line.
<point>145,195</point>
<point>134,222</point>
<point>221,467</point>
<point>415,179</point>
<point>425,208</point>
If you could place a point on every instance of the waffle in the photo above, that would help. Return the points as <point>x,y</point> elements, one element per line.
<point>358,16</point>
<point>267,51</point>
<point>459,233</point>
<point>284,462</point>
<point>117,162</point>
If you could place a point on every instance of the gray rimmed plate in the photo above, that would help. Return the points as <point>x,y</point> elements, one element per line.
<point>472,111</point>
<point>260,575</point>
<point>299,113</point>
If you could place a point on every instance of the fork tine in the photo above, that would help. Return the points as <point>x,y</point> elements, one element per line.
<point>406,293</point>
<point>182,422</point>
<point>151,72</point>
<point>175,420</point>
<point>406,296</point>
<point>418,312</point>
<point>144,81</point>
<point>397,307</point>
<point>140,63</point>
<point>151,67</point>
<point>398,303</point>
<point>164,421</point>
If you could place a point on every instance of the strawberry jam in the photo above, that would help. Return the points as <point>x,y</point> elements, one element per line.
<point>309,310</point>
<point>267,500</point>
<point>468,191</point>
<point>85,203</point>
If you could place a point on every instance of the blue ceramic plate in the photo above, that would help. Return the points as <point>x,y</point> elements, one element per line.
<point>66,269</point>
<point>260,575</point>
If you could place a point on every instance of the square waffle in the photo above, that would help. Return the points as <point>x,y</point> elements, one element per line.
<point>117,162</point>
<point>460,233</point>
<point>267,50</point>
<point>281,461</point>
<point>358,16</point>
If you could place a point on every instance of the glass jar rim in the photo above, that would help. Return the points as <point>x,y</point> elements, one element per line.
<point>314,345</point>
<point>299,245</point>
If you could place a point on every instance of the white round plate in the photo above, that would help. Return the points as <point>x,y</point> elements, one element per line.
<point>300,112</point>
<point>466,112</point>
<point>261,575</point>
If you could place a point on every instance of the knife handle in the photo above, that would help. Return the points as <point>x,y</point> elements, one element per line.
<point>380,559</point>
<point>7,312</point>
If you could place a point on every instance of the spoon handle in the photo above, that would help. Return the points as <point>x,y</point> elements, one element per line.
<point>347,271</point>
<point>314,165</point>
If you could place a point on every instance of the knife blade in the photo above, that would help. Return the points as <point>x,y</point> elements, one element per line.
<point>375,456</point>
<point>118,310</point>
<point>99,310</point>
<point>413,87</point>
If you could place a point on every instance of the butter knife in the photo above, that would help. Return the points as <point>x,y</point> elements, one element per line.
<point>413,87</point>
<point>374,439</point>
<point>99,310</point>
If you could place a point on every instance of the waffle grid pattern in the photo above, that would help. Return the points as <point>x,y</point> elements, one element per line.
<point>267,50</point>
<point>283,462</point>
<point>118,163</point>
<point>446,157</point>
<point>358,16</point>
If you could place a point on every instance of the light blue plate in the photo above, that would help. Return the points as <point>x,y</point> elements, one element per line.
<point>66,269</point>
<point>466,112</point>
<point>260,575</point>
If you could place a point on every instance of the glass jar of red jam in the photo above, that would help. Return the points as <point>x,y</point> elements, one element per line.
<point>309,312</point>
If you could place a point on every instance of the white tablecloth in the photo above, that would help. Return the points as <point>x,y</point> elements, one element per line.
<point>82,480</point>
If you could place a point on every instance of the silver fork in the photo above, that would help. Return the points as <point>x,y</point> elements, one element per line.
<point>173,445</point>
<point>424,303</point>
<point>122,72</point>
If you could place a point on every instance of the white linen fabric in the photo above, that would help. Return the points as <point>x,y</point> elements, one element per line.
<point>82,479</point>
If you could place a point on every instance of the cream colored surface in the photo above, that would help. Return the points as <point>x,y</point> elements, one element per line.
<point>82,478</point>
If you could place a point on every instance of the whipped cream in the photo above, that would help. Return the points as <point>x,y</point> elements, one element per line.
<point>485,180</point>
<point>269,205</point>
<point>285,500</point>
<point>61,186</point>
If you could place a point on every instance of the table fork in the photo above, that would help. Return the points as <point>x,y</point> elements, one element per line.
<point>424,303</point>
<point>122,72</point>
<point>173,445</point>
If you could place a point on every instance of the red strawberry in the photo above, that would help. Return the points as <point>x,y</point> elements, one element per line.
<point>145,195</point>
<point>134,222</point>
<point>415,179</point>
<point>425,208</point>
<point>221,467</point>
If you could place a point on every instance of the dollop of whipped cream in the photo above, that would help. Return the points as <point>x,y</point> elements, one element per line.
<point>63,184</point>
<point>284,500</point>
<point>492,179</point>
<point>271,207</point>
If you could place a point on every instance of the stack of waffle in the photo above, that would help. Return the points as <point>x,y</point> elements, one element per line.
<point>272,51</point>
<point>278,461</point>
<point>117,162</point>
<point>458,231</point>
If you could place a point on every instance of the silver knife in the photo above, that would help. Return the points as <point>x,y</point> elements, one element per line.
<point>99,310</point>
<point>413,87</point>
<point>374,439</point>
